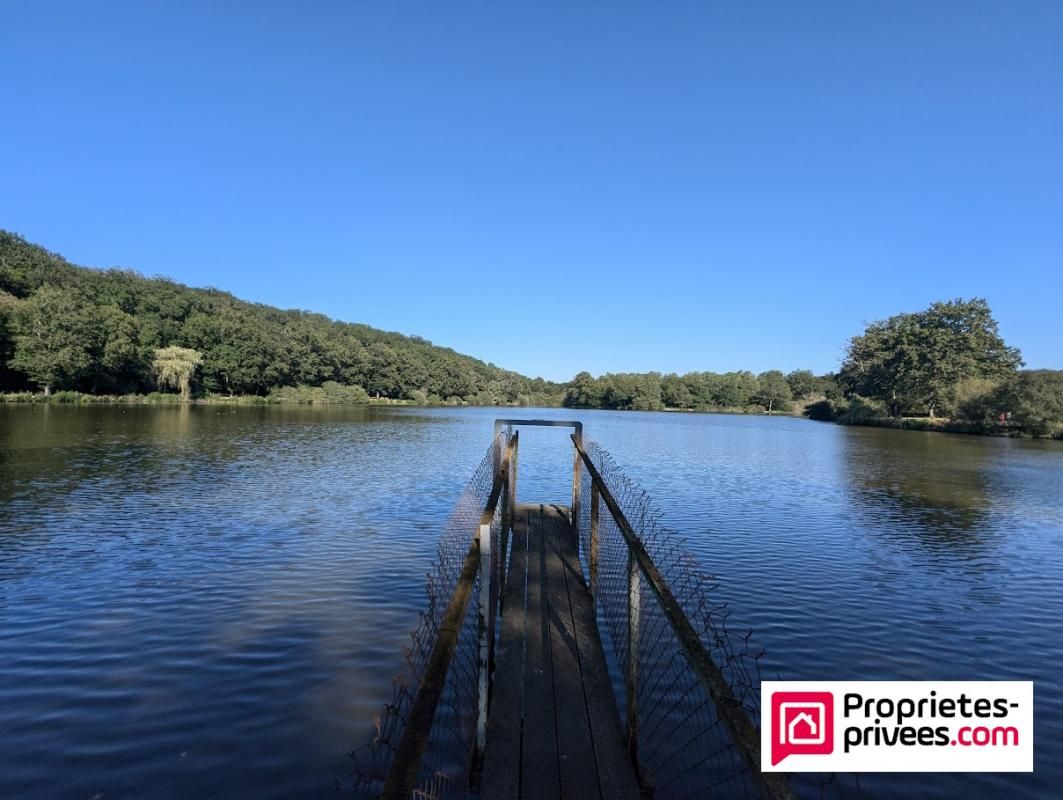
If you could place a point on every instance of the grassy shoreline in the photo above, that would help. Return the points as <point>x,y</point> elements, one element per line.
<point>170,399</point>
<point>938,425</point>
<point>167,399</point>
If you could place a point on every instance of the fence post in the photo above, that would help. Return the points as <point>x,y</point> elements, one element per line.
<point>634,603</point>
<point>504,538</point>
<point>513,474</point>
<point>498,559</point>
<point>592,556</point>
<point>507,523</point>
<point>577,487</point>
<point>486,637</point>
<point>496,457</point>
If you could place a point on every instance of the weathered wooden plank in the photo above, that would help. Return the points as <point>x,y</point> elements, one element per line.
<point>616,774</point>
<point>501,774</point>
<point>554,729</point>
<point>539,764</point>
<point>574,744</point>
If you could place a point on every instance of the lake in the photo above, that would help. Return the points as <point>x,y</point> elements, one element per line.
<point>209,601</point>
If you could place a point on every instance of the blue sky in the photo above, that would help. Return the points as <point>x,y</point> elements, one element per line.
<point>556,187</point>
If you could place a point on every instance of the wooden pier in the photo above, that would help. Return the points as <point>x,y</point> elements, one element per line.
<point>534,713</point>
<point>553,729</point>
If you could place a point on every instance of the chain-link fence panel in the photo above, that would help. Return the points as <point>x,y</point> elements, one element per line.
<point>686,742</point>
<point>446,764</point>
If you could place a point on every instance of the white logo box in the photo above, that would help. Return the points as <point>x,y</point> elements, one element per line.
<point>1007,738</point>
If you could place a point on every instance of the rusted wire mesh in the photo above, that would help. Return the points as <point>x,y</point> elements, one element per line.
<point>685,749</point>
<point>447,760</point>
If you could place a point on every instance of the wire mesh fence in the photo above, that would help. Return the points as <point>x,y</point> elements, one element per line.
<point>446,764</point>
<point>684,747</point>
<point>686,742</point>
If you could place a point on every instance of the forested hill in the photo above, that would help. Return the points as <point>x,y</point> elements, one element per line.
<point>115,332</point>
<point>64,326</point>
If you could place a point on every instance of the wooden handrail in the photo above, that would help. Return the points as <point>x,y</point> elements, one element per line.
<point>406,764</point>
<point>741,729</point>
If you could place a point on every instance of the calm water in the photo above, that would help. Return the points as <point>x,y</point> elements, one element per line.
<point>212,602</point>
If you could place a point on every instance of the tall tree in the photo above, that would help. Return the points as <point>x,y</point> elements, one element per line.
<point>119,360</point>
<point>675,393</point>
<point>583,392</point>
<point>772,389</point>
<point>959,340</point>
<point>8,304</point>
<point>802,383</point>
<point>175,366</point>
<point>735,389</point>
<point>56,334</point>
<point>914,360</point>
<point>1034,399</point>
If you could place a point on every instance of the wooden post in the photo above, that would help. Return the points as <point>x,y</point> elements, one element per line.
<point>592,556</point>
<point>502,559</point>
<point>577,488</point>
<point>513,471</point>
<point>507,523</point>
<point>634,603</point>
<point>509,513</point>
<point>486,637</point>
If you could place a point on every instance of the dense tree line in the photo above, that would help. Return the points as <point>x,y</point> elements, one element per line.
<point>696,391</point>
<point>64,327</point>
<point>99,331</point>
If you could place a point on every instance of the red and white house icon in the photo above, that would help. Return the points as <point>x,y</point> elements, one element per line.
<point>802,723</point>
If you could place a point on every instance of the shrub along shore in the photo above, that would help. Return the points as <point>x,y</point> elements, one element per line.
<point>303,395</point>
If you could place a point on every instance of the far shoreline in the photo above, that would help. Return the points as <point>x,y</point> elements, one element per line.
<point>156,399</point>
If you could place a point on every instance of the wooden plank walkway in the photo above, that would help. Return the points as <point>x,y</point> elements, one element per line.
<point>553,730</point>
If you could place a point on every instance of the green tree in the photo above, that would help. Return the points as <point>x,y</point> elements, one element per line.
<point>675,393</point>
<point>583,392</point>
<point>175,366</point>
<point>241,355</point>
<point>385,375</point>
<point>734,390</point>
<point>959,340</point>
<point>120,363</point>
<point>1034,399</point>
<point>647,392</point>
<point>827,385</point>
<point>914,360</point>
<point>56,334</point>
<point>8,304</point>
<point>802,383</point>
<point>700,386</point>
<point>773,389</point>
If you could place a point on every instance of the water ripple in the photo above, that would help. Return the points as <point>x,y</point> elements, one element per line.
<point>213,602</point>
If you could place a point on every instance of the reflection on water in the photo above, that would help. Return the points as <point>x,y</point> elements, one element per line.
<point>936,492</point>
<point>206,600</point>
